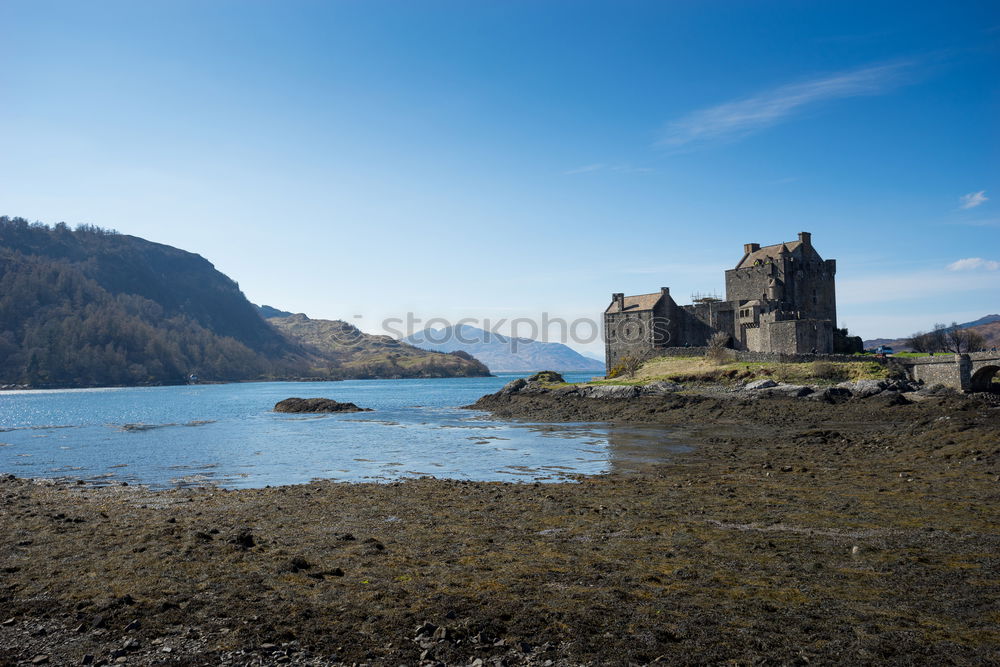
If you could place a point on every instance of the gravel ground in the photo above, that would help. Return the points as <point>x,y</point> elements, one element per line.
<point>796,532</point>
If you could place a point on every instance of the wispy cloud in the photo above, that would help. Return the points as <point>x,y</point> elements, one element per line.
<point>742,117</point>
<point>601,166</point>
<point>973,199</point>
<point>974,264</point>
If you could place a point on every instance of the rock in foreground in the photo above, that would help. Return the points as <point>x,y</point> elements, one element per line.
<point>316,405</point>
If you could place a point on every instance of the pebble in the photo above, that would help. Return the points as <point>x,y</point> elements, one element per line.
<point>40,659</point>
<point>426,628</point>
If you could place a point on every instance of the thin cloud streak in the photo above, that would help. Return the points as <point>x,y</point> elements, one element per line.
<point>737,119</point>
<point>973,264</point>
<point>973,199</point>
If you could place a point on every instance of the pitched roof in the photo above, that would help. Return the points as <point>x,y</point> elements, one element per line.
<point>768,252</point>
<point>637,302</point>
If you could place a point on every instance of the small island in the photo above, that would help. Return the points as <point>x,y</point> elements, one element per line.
<point>316,405</point>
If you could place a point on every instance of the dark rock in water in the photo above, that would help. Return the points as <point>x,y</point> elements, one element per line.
<point>316,405</point>
<point>546,376</point>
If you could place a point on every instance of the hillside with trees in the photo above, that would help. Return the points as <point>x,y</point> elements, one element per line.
<point>91,307</point>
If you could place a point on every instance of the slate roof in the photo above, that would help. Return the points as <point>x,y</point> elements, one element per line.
<point>636,303</point>
<point>768,252</point>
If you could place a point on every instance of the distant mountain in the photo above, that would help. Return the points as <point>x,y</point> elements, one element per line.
<point>986,319</point>
<point>505,354</point>
<point>351,353</point>
<point>594,356</point>
<point>987,326</point>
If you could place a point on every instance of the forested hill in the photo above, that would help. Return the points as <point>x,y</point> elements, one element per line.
<point>90,307</point>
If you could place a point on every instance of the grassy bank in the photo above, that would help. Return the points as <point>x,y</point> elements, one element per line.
<point>703,370</point>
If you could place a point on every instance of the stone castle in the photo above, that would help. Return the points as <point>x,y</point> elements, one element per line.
<point>779,298</point>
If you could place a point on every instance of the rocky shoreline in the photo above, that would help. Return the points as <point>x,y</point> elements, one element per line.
<point>798,531</point>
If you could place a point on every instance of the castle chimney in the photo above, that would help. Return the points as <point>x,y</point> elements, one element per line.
<point>750,247</point>
<point>805,238</point>
<point>619,298</point>
<point>665,291</point>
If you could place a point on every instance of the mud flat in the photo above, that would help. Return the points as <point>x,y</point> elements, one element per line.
<point>797,531</point>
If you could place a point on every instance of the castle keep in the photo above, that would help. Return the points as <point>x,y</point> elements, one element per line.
<point>779,298</point>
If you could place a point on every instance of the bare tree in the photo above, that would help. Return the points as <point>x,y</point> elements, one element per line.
<point>630,366</point>
<point>920,342</point>
<point>717,351</point>
<point>936,340</point>
<point>963,340</point>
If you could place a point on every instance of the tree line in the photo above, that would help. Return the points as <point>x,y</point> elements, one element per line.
<point>947,339</point>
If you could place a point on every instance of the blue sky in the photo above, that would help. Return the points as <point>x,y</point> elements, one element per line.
<point>500,160</point>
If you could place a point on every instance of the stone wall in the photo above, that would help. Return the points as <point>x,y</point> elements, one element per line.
<point>812,289</point>
<point>968,372</point>
<point>630,334</point>
<point>765,357</point>
<point>685,328</point>
<point>791,336</point>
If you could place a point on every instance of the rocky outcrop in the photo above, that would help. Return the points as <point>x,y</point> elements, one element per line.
<point>313,405</point>
<point>546,376</point>
<point>660,388</point>
<point>894,392</point>
<point>764,383</point>
<point>863,388</point>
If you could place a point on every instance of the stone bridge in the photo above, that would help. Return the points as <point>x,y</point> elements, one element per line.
<point>969,372</point>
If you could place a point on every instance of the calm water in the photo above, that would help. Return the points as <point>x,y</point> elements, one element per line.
<point>228,435</point>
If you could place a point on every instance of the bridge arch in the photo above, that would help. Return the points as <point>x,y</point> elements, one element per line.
<point>982,379</point>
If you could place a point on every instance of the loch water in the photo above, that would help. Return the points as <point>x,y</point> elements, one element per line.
<point>228,435</point>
